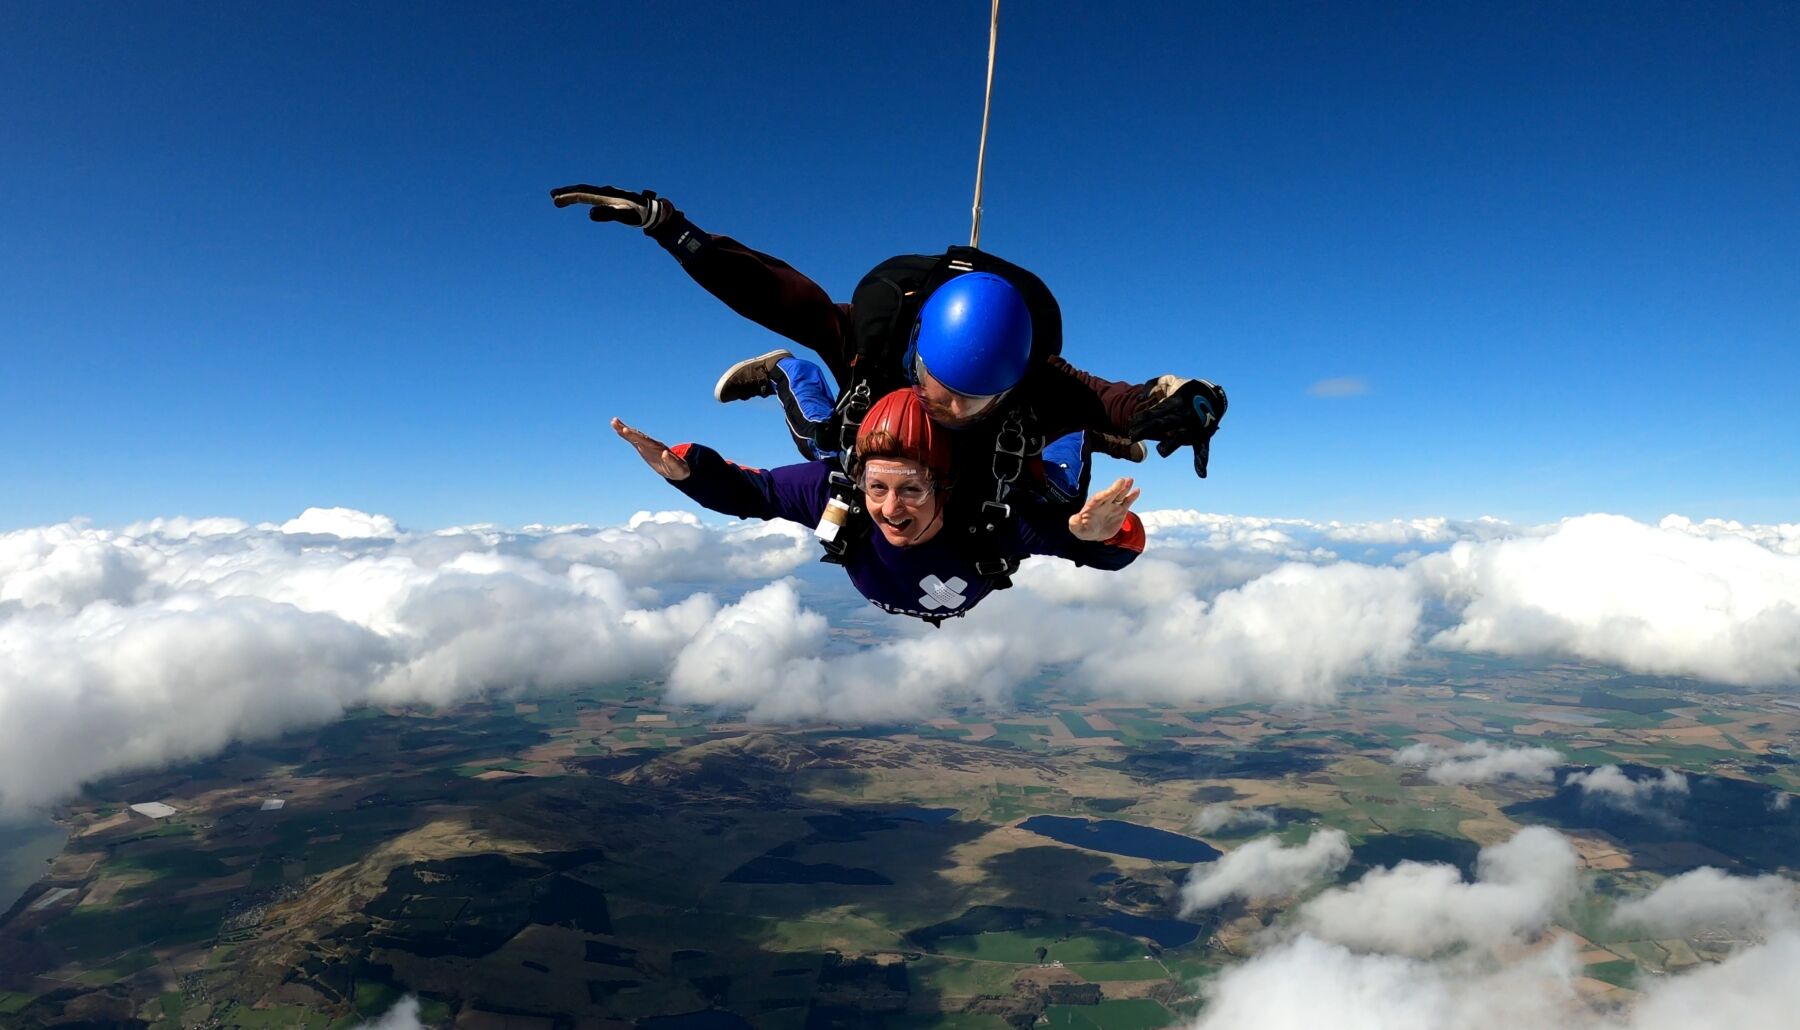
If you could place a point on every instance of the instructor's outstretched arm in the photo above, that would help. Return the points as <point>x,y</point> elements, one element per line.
<point>764,289</point>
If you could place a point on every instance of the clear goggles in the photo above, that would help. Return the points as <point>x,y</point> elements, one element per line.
<point>910,491</point>
<point>969,405</point>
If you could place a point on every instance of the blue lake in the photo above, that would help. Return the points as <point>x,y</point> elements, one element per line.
<point>918,814</point>
<point>1121,838</point>
<point>23,849</point>
<point>1167,933</point>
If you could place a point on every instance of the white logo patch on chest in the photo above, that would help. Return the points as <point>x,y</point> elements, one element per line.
<point>939,594</point>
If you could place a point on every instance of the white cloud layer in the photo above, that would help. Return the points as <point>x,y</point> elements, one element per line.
<point>1648,599</point>
<point>1481,762</point>
<point>1711,899</point>
<point>166,639</point>
<point>170,639</point>
<point>1264,868</point>
<point>1444,953</point>
<point>1783,538</point>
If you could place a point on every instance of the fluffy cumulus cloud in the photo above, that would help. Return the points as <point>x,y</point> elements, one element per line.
<point>1710,899</point>
<point>343,523</point>
<point>1214,818</point>
<point>1481,762</point>
<point>1295,633</point>
<point>1350,990</point>
<point>1444,952</point>
<point>169,639</point>
<point>1264,868</point>
<point>403,1016</point>
<point>1609,785</point>
<point>1422,909</point>
<point>677,546</point>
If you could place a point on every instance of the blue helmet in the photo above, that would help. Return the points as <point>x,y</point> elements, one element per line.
<point>974,335</point>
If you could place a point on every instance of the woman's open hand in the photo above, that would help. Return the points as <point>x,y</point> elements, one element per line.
<point>655,453</point>
<point>1103,515</point>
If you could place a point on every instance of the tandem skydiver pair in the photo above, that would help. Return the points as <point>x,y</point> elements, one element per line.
<point>959,442</point>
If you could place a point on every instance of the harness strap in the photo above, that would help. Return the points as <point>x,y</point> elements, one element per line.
<point>1013,445</point>
<point>848,415</point>
<point>840,488</point>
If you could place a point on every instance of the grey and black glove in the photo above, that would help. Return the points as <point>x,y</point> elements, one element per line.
<point>643,210</point>
<point>1182,411</point>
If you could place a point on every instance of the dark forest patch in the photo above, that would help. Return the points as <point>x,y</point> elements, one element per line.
<point>1732,817</point>
<point>771,869</point>
<point>1393,848</point>
<point>1261,764</point>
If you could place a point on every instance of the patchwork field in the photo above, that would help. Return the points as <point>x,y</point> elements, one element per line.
<point>602,859</point>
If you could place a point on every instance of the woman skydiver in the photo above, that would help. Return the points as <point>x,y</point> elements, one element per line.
<point>905,545</point>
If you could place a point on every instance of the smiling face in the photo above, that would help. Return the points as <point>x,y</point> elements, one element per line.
<point>900,497</point>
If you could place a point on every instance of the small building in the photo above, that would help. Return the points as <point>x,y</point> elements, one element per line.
<point>154,809</point>
<point>273,805</point>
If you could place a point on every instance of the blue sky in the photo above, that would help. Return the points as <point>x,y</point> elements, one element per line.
<point>259,258</point>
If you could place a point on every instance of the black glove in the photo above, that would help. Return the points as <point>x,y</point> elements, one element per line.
<point>1185,411</point>
<point>611,204</point>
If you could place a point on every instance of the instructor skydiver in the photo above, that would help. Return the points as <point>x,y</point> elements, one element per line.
<point>987,355</point>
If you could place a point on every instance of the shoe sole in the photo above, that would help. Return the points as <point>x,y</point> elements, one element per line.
<point>719,387</point>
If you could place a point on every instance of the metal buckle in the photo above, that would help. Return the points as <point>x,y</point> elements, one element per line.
<point>851,410</point>
<point>1011,439</point>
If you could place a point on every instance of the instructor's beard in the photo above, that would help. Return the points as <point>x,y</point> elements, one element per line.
<point>950,409</point>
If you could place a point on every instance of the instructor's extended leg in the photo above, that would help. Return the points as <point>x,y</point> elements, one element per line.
<point>806,397</point>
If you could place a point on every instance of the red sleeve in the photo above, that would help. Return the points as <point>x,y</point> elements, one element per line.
<point>1130,535</point>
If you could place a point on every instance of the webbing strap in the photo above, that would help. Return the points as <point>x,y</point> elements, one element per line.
<point>1012,445</point>
<point>986,105</point>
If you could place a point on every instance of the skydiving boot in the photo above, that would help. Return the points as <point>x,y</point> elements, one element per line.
<point>752,377</point>
<point>806,400</point>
